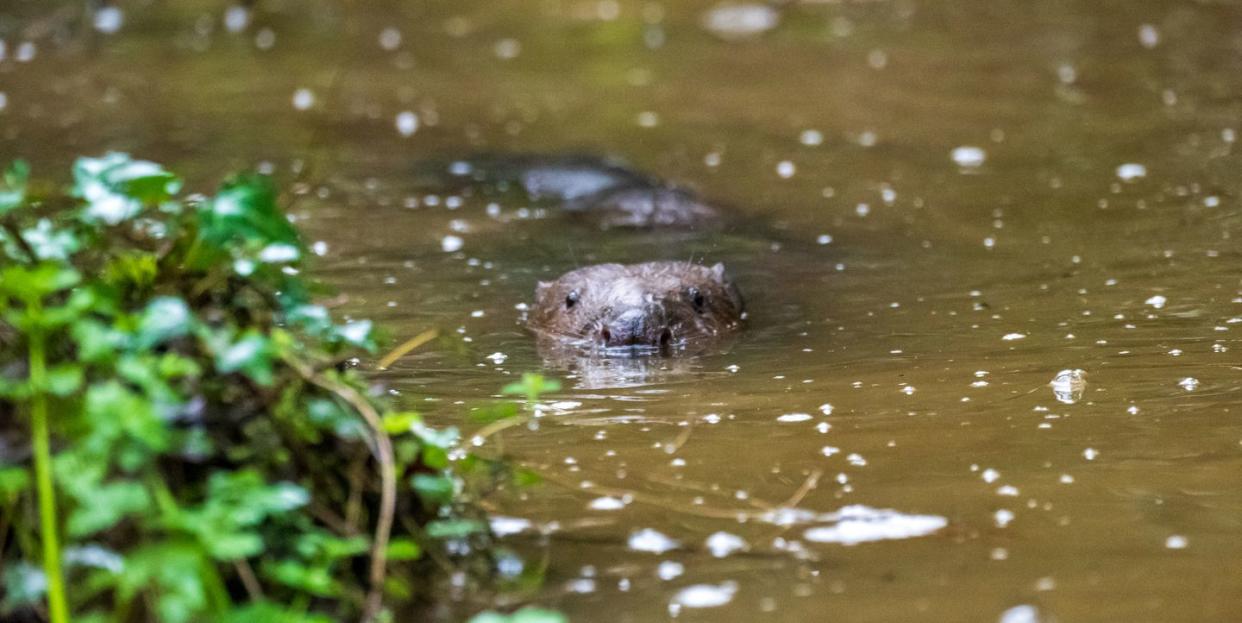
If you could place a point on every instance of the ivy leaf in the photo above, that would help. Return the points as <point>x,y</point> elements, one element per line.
<point>164,318</point>
<point>13,192</point>
<point>116,187</point>
<point>108,504</point>
<point>245,211</point>
<point>434,490</point>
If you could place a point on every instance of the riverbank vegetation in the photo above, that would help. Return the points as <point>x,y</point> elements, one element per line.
<point>183,437</point>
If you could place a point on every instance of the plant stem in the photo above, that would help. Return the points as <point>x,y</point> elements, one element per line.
<point>57,610</point>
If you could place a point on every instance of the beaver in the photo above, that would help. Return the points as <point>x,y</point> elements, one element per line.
<point>635,309</point>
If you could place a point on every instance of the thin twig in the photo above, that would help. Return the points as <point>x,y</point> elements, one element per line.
<point>407,346</point>
<point>388,480</point>
<point>248,579</point>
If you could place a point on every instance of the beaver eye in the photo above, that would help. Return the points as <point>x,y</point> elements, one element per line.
<point>696,299</point>
<point>571,299</point>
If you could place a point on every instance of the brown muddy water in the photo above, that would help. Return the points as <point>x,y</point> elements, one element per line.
<point>946,204</point>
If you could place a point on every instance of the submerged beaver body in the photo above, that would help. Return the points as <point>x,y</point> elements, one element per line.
<point>654,307</point>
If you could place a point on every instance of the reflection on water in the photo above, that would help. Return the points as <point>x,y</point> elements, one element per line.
<point>936,208</point>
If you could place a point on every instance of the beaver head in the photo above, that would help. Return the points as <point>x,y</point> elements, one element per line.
<point>637,308</point>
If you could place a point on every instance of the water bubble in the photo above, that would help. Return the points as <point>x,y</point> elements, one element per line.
<point>109,19</point>
<point>648,540</point>
<point>794,417</point>
<point>669,569</point>
<point>498,357</point>
<point>648,119</point>
<point>1157,301</point>
<point>969,157</point>
<point>703,596</point>
<point>990,475</point>
<point>721,544</point>
<point>25,52</point>
<point>507,49</point>
<point>1090,454</point>
<point>1009,337</point>
<point>1149,36</point>
<point>236,18</point>
<point>824,239</point>
<point>859,524</point>
<point>1176,541</point>
<point>1020,614</point>
<point>407,123</point>
<point>4,100</point>
<point>303,99</point>
<point>451,244</point>
<point>786,169</point>
<point>811,138</point>
<point>825,408</point>
<point>504,526</point>
<point>732,22</point>
<point>606,503</point>
<point>390,39</point>
<point>1003,517</point>
<point>265,39</point>
<point>1189,383</point>
<point>1131,171</point>
<point>1068,385</point>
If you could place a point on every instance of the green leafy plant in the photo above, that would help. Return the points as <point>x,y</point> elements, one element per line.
<point>195,436</point>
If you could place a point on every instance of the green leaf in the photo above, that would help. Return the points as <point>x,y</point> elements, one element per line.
<point>116,187</point>
<point>401,549</point>
<point>171,572</point>
<point>64,379</point>
<point>28,284</point>
<point>268,612</point>
<point>245,211</point>
<point>401,422</point>
<point>109,504</point>
<point>251,354</point>
<point>13,480</point>
<point>13,192</point>
<point>454,528</point>
<point>434,490</point>
<point>24,585</point>
<point>316,580</point>
<point>51,244</point>
<point>532,386</point>
<point>165,318</point>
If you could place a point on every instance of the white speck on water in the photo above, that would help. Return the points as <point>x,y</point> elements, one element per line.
<point>823,427</point>
<point>648,119</point>
<point>1211,201</point>
<point>824,239</point>
<point>1131,171</point>
<point>734,368</point>
<point>109,19</point>
<point>721,544</point>
<point>504,526</point>
<point>1007,490</point>
<point>794,417</point>
<point>648,540</point>
<point>1176,541</point>
<point>856,460</point>
<point>969,157</point>
<point>735,21</point>
<point>990,475</point>
<point>1149,36</point>
<point>829,450</point>
<point>1066,479</point>
<point>1068,385</point>
<point>1045,584</point>
<point>907,390</point>
<point>1067,74</point>
<point>451,244</point>
<point>236,18</point>
<point>4,100</point>
<point>498,357</point>
<point>1090,454</point>
<point>859,524</point>
<point>825,408</point>
<point>319,248</point>
<point>1189,383</point>
<point>1157,301</point>
<point>606,503</point>
<point>862,210</point>
<point>811,138</point>
<point>1009,337</point>
<point>999,553</point>
<point>669,570</point>
<point>390,38</point>
<point>507,49</point>
<point>265,39</point>
<point>1002,517</point>
<point>1020,614</point>
<point>712,159</point>
<point>406,122</point>
<point>25,52</point>
<point>868,139</point>
<point>303,99</point>
<point>702,596</point>
<point>786,169</point>
<point>877,59</point>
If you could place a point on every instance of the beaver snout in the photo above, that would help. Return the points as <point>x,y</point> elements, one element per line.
<point>636,327</point>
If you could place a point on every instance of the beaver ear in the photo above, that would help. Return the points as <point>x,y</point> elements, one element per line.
<point>718,271</point>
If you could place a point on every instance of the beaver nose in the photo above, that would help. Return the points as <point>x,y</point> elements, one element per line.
<point>627,329</point>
